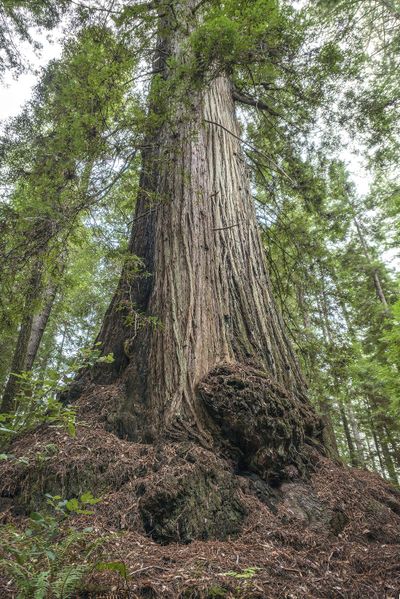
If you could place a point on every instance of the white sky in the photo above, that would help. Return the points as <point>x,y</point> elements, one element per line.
<point>15,92</point>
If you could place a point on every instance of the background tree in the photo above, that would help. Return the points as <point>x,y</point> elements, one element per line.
<point>17,19</point>
<point>60,159</point>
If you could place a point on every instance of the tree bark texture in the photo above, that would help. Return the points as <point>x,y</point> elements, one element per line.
<point>20,353</point>
<point>201,297</point>
<point>33,325</point>
<point>208,286</point>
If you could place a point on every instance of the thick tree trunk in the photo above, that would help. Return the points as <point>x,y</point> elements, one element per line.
<point>204,298</point>
<point>200,349</point>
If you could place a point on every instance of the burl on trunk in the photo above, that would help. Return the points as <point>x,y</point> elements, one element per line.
<point>199,346</point>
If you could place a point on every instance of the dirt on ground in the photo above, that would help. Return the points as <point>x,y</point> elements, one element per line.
<point>188,523</point>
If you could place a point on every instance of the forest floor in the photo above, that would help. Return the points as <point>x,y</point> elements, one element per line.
<point>335,534</point>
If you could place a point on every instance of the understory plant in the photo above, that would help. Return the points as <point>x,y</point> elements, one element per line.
<point>47,558</point>
<point>37,400</point>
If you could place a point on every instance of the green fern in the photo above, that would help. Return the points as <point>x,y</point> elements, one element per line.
<point>45,559</point>
<point>68,580</point>
<point>21,577</point>
<point>41,583</point>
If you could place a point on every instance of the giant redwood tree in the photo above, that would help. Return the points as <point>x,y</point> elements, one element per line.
<point>200,428</point>
<point>193,327</point>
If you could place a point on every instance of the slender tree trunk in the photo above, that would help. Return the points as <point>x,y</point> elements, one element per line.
<point>381,439</point>
<point>378,449</point>
<point>387,457</point>
<point>25,331</point>
<point>375,275</point>
<point>375,438</point>
<point>325,403</point>
<point>352,452</point>
<point>39,323</point>
<point>31,331</point>
<point>371,455</point>
<point>394,444</point>
<point>358,442</point>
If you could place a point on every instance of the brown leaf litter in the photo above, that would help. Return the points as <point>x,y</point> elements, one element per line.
<point>186,525</point>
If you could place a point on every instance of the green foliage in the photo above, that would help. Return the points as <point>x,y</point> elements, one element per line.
<point>243,574</point>
<point>33,412</point>
<point>326,255</point>
<point>118,567</point>
<point>368,30</point>
<point>47,558</point>
<point>217,42</point>
<point>17,17</point>
<point>389,371</point>
<point>57,169</point>
<point>37,402</point>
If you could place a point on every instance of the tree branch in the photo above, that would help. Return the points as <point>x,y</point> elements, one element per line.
<point>245,99</point>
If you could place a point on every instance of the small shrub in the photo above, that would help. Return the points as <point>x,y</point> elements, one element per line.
<point>37,403</point>
<point>47,559</point>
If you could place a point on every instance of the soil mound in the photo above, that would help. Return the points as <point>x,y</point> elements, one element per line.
<point>191,524</point>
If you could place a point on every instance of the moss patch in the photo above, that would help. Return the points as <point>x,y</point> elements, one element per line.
<point>199,503</point>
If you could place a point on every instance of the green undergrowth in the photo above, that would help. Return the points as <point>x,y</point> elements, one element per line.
<point>48,557</point>
<point>37,400</point>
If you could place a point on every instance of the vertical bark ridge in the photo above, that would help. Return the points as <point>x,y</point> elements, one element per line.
<point>206,285</point>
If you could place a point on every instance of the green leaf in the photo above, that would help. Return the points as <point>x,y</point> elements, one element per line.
<point>7,430</point>
<point>71,429</point>
<point>108,359</point>
<point>36,517</point>
<point>88,498</point>
<point>50,554</point>
<point>72,505</point>
<point>119,567</point>
<point>41,585</point>
<point>244,574</point>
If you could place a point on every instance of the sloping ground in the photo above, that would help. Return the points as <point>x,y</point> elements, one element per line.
<point>192,527</point>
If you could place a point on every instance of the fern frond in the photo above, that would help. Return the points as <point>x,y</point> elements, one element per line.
<point>41,585</point>
<point>20,576</point>
<point>68,580</point>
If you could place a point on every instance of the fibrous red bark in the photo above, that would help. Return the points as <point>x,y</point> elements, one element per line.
<point>203,297</point>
